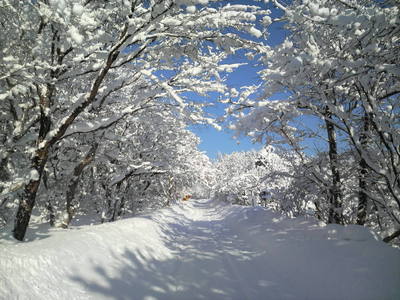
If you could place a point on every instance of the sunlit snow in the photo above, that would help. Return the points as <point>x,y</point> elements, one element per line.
<point>201,250</point>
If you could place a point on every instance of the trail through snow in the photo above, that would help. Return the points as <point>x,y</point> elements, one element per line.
<point>202,250</point>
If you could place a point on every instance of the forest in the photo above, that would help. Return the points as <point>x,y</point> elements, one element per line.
<point>97,98</point>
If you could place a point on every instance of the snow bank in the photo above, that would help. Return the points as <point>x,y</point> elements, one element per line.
<point>53,266</point>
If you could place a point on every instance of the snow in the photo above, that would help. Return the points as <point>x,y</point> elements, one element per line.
<point>75,35</point>
<point>34,175</point>
<point>201,250</point>
<point>77,9</point>
<point>255,32</point>
<point>171,22</point>
<point>266,20</point>
<point>191,9</point>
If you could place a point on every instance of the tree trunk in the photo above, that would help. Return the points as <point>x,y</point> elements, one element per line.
<point>121,206</point>
<point>29,196</point>
<point>392,236</point>
<point>4,177</point>
<point>73,184</point>
<point>52,215</point>
<point>335,195</point>
<point>362,183</point>
<point>39,160</point>
<point>362,196</point>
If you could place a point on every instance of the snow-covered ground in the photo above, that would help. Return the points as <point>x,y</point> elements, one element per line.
<point>202,250</point>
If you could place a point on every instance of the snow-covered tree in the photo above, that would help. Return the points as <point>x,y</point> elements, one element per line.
<point>64,62</point>
<point>255,177</point>
<point>340,63</point>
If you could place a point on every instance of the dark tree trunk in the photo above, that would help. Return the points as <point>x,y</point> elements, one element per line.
<point>73,184</point>
<point>117,204</point>
<point>29,196</point>
<point>121,206</point>
<point>114,210</point>
<point>362,195</point>
<point>335,195</point>
<point>392,236</point>
<point>108,211</point>
<point>52,215</point>
<point>362,180</point>
<point>4,176</point>
<point>39,160</point>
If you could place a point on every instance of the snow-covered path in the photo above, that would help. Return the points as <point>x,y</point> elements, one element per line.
<point>202,250</point>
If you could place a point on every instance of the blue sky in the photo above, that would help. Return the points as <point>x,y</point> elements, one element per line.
<point>214,141</point>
